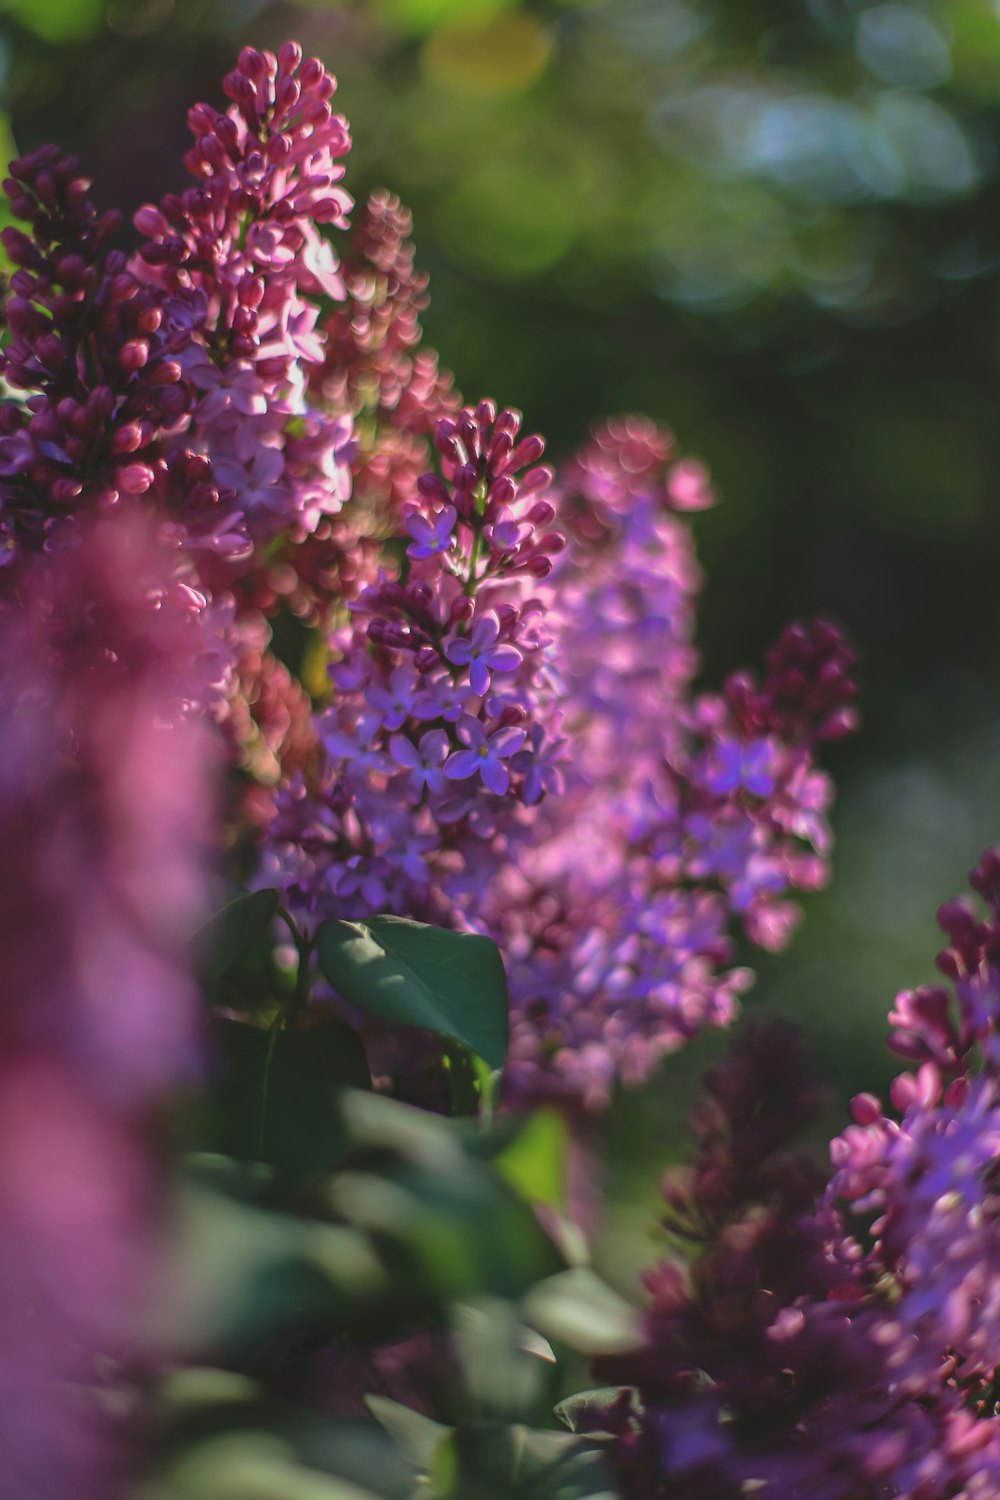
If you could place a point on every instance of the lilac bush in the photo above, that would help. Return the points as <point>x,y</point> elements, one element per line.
<point>488,742</point>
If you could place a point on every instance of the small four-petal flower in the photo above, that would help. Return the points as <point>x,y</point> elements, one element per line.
<point>484,754</point>
<point>480,652</point>
<point>430,537</point>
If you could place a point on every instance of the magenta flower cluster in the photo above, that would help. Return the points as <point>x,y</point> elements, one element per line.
<point>834,1342</point>
<point>443,730</point>
<point>513,745</point>
<point>104,815</point>
<point>175,383</point>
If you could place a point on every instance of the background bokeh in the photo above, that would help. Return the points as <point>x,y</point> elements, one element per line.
<point>772,224</point>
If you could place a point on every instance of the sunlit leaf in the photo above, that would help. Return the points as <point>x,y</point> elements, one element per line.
<point>58,21</point>
<point>535,1162</point>
<point>451,983</point>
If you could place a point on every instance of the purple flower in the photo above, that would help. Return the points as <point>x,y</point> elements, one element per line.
<point>480,653</point>
<point>102,815</point>
<point>735,764</point>
<point>485,755</point>
<point>430,537</point>
<point>360,747</point>
<point>541,765</point>
<point>423,760</point>
<point>395,702</point>
<point>364,876</point>
<point>237,389</point>
<point>442,698</point>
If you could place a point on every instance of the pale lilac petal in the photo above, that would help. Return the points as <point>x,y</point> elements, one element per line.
<point>471,732</point>
<point>506,742</point>
<point>459,651</point>
<point>485,630</point>
<point>433,747</point>
<point>462,763</point>
<point>496,777</point>
<point>404,752</point>
<point>503,658</point>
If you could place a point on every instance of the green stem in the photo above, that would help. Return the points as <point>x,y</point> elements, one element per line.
<point>291,924</point>
<point>470,582</point>
<point>300,995</point>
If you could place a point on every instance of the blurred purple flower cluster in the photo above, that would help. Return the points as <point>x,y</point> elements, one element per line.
<point>784,1354</point>
<point>105,820</point>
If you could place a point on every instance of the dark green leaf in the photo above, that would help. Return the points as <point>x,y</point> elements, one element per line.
<point>417,1437</point>
<point>458,1228</point>
<point>495,1462</point>
<point>276,1098</point>
<point>241,925</point>
<point>451,983</point>
<point>504,1364</point>
<point>586,1411</point>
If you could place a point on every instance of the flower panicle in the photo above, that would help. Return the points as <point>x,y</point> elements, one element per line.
<point>921,1176</point>
<point>444,734</point>
<point>772,1360</point>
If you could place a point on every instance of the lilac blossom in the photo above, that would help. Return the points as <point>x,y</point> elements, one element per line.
<point>430,536</point>
<point>769,1367</point>
<point>923,1178</point>
<point>608,829</point>
<point>681,818</point>
<point>418,682</point>
<point>424,760</point>
<point>483,755</point>
<point>104,814</point>
<point>482,654</point>
<point>242,247</point>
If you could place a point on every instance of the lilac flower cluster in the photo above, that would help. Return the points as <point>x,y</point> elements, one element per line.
<point>923,1180</point>
<point>87,349</point>
<point>242,265</point>
<point>680,814</point>
<point>467,711</point>
<point>443,730</point>
<point>374,367</point>
<point>179,378</point>
<point>103,812</point>
<point>394,392</point>
<point>770,1364</point>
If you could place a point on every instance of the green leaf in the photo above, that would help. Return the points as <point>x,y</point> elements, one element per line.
<point>238,1465</point>
<point>451,983</point>
<point>455,1227</point>
<point>535,1162</point>
<point>417,1437</point>
<point>586,1410</point>
<point>504,1364</point>
<point>277,1094</point>
<point>241,925</point>
<point>496,1462</point>
<point>580,1310</point>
